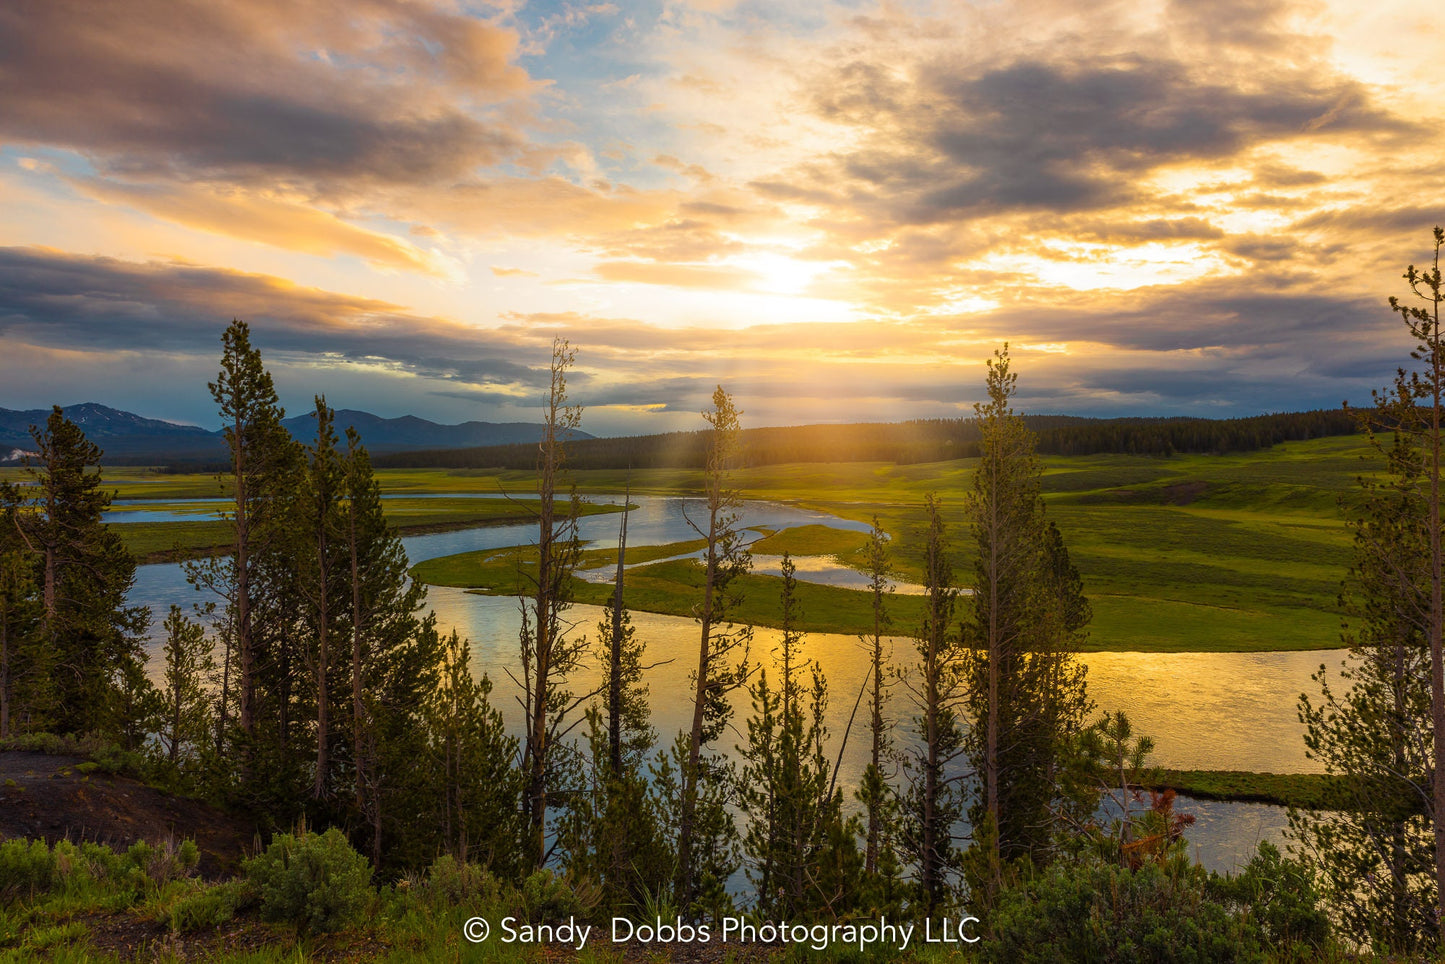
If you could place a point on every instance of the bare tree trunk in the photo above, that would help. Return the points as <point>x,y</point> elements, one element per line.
<point>614,683</point>
<point>549,658</point>
<point>175,719</point>
<point>994,656</point>
<point>323,696</point>
<point>1437,614</point>
<point>359,750</point>
<point>4,676</point>
<point>225,695</point>
<point>685,882</point>
<point>243,586</point>
<point>932,872</point>
<point>542,663</point>
<point>870,858</point>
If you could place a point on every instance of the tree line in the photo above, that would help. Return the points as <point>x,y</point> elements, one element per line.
<point>911,442</point>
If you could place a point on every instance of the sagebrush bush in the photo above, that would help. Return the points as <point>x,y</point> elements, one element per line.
<point>546,897</point>
<point>456,882</point>
<point>316,882</point>
<point>27,868</point>
<point>1283,899</point>
<point>1098,911</point>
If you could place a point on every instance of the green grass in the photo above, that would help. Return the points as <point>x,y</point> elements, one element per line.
<point>1307,791</point>
<point>671,587</point>
<point>812,540</point>
<point>1201,553</point>
<point>1214,553</point>
<point>168,541</point>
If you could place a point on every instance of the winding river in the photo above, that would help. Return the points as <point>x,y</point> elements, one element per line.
<point>1233,711</point>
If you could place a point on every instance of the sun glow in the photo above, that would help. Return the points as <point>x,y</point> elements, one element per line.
<point>780,274</point>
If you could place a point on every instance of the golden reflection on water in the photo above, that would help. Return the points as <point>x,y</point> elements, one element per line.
<point>1207,711</point>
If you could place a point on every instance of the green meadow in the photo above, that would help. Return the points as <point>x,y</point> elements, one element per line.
<point>1238,552</point>
<point>169,541</point>
<point>1218,553</point>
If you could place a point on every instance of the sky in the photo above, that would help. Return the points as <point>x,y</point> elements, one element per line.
<point>838,211</point>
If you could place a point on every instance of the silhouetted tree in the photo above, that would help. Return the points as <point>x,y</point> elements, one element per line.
<point>549,656</point>
<point>933,798</point>
<point>722,663</point>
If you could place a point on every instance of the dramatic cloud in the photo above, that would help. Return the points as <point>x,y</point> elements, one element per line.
<point>264,91</point>
<point>839,210</point>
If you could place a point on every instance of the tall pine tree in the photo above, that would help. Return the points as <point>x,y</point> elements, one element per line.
<point>1027,614</point>
<point>90,640</point>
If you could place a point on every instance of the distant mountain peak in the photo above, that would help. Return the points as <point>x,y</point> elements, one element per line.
<point>127,437</point>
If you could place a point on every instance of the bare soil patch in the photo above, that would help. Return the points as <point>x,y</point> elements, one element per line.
<point>54,798</point>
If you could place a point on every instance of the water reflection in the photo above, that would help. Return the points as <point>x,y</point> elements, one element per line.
<point>1205,710</point>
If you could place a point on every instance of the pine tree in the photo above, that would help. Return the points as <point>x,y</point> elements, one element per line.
<point>189,668</point>
<point>549,656</point>
<point>933,798</point>
<point>90,639</point>
<point>611,832</point>
<point>786,790</point>
<point>474,788</point>
<point>22,684</point>
<point>262,457</point>
<point>1026,692</point>
<point>396,654</point>
<point>321,553</point>
<point>1376,851</point>
<point>1423,322</point>
<point>722,664</point>
<point>881,885</point>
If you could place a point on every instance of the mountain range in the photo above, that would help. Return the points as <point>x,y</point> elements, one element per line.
<point>129,438</point>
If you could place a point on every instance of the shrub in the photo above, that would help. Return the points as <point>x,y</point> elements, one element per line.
<point>1098,911</point>
<point>456,882</point>
<point>1281,897</point>
<point>547,897</point>
<point>202,907</point>
<point>165,862</point>
<point>27,868</point>
<point>316,882</point>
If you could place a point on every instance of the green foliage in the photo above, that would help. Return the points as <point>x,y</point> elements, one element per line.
<point>316,882</point>
<point>544,896</point>
<point>1026,617</point>
<point>71,659</point>
<point>1099,911</point>
<point>793,813</point>
<point>461,883</point>
<point>1377,854</point>
<point>613,832</point>
<point>27,868</point>
<point>471,788</point>
<point>189,668</point>
<point>932,799</point>
<point>1304,791</point>
<point>1283,900</point>
<point>713,835</point>
<point>880,888</point>
<point>203,906</point>
<point>32,869</point>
